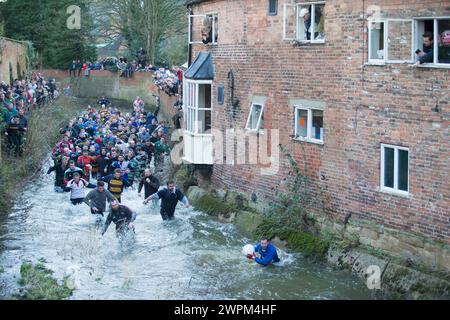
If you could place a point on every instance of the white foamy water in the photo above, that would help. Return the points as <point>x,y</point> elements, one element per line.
<point>192,257</point>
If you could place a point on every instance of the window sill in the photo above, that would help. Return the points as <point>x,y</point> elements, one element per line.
<point>379,64</point>
<point>314,141</point>
<point>204,44</point>
<point>435,66</point>
<point>426,65</point>
<point>394,192</point>
<point>260,131</point>
<point>198,134</point>
<point>301,43</point>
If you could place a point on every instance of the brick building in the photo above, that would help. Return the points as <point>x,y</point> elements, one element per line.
<point>13,59</point>
<point>335,78</point>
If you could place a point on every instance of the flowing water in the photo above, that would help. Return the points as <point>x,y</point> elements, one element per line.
<point>192,257</point>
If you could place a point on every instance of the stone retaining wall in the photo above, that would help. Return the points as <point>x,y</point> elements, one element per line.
<point>109,84</point>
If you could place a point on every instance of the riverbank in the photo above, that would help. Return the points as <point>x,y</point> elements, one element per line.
<point>345,247</point>
<point>43,132</point>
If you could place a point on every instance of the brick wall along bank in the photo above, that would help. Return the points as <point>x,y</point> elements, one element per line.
<point>364,106</point>
<point>13,63</point>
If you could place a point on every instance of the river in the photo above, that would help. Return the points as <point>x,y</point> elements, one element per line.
<point>192,257</point>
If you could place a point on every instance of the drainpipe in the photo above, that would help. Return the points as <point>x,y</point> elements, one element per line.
<point>191,12</point>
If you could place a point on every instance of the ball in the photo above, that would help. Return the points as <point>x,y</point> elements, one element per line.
<point>248,249</point>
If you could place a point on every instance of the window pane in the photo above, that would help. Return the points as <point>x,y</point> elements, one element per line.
<point>317,124</point>
<point>191,95</point>
<point>289,21</point>
<point>192,120</point>
<point>198,26</point>
<point>304,22</point>
<point>388,167</point>
<point>220,94</point>
<point>302,123</point>
<point>188,119</point>
<point>215,30</point>
<point>376,40</point>
<point>207,96</point>
<point>204,118</point>
<point>319,33</point>
<point>426,49</point>
<point>444,41</point>
<point>403,170</point>
<point>254,117</point>
<point>273,7</point>
<point>399,40</point>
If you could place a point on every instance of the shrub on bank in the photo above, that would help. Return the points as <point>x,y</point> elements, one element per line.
<point>38,283</point>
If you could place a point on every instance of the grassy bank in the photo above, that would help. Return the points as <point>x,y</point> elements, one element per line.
<point>38,283</point>
<point>43,133</point>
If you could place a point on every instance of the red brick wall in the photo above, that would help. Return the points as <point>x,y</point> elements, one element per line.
<point>12,53</point>
<point>365,106</point>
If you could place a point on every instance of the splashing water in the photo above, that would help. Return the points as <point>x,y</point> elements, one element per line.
<point>192,257</point>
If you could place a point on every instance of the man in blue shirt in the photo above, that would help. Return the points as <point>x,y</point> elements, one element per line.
<point>267,253</point>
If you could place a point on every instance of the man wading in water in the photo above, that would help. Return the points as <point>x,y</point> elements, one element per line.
<point>122,216</point>
<point>96,199</point>
<point>169,199</point>
<point>267,253</point>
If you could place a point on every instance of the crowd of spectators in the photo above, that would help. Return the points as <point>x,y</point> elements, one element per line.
<point>169,80</point>
<point>17,101</point>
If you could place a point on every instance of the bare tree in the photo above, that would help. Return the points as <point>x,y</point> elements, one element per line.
<point>143,23</point>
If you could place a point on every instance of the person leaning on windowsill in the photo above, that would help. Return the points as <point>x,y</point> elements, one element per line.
<point>427,55</point>
<point>206,38</point>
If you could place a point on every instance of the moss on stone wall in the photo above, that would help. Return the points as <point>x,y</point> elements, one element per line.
<point>184,178</point>
<point>214,206</point>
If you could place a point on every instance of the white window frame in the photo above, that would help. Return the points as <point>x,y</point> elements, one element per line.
<point>369,28</point>
<point>213,27</point>
<point>191,106</point>
<point>191,16</point>
<point>285,7</point>
<point>386,40</point>
<point>308,137</point>
<point>258,126</point>
<point>296,7</point>
<point>418,35</point>
<point>394,190</point>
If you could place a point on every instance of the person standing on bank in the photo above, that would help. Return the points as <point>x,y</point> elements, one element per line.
<point>169,196</point>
